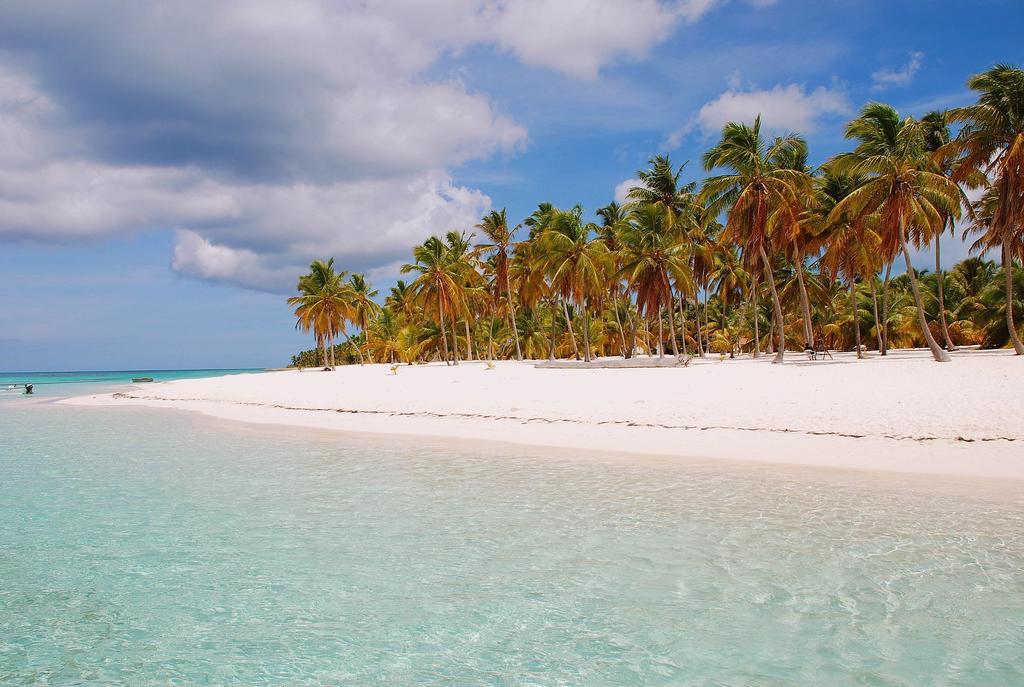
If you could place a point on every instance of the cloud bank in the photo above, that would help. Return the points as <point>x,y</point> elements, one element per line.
<point>267,133</point>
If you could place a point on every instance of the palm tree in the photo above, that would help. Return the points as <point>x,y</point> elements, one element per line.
<point>760,195</point>
<point>992,141</point>
<point>575,262</point>
<point>901,188</point>
<point>363,308</point>
<point>936,136</point>
<point>439,285</point>
<point>653,261</point>
<point>323,305</point>
<point>464,263</point>
<point>494,225</point>
<point>851,244</point>
<point>998,237</point>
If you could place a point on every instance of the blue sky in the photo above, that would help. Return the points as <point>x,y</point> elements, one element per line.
<point>166,170</point>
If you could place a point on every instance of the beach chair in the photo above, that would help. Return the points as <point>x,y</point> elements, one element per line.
<point>821,352</point>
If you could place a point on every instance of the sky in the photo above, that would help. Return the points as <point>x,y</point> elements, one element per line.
<point>167,170</point>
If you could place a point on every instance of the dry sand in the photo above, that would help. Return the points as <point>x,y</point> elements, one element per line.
<point>900,413</point>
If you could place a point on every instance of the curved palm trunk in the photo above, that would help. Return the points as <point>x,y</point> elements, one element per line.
<point>512,316</point>
<point>940,355</point>
<point>885,309</point>
<point>572,334</point>
<point>757,326</point>
<point>444,333</point>
<point>1018,347</point>
<point>805,302</point>
<point>349,341</point>
<point>618,323</point>
<point>942,300</point>
<point>777,305</point>
<point>856,320</point>
<point>874,306</point>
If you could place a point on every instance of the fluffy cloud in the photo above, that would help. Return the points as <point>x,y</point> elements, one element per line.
<point>578,37</point>
<point>622,190</point>
<point>790,108</point>
<point>886,78</point>
<point>267,133</point>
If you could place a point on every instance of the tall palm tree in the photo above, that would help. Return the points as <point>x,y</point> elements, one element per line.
<point>494,225</point>
<point>760,195</point>
<point>997,237</point>
<point>439,286</point>
<point>992,141</point>
<point>653,260</point>
<point>850,243</point>
<point>936,137</point>
<point>363,307</point>
<point>575,261</point>
<point>901,188</point>
<point>323,305</point>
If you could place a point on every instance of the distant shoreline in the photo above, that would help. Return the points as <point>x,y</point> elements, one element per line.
<point>902,413</point>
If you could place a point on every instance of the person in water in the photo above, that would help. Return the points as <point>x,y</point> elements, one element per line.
<point>28,388</point>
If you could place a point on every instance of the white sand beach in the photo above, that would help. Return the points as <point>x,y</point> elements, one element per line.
<point>900,413</point>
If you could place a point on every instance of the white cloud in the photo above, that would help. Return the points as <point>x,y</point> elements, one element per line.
<point>269,133</point>
<point>887,78</point>
<point>622,190</point>
<point>784,107</point>
<point>578,37</point>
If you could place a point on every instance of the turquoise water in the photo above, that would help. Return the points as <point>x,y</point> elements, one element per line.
<point>146,547</point>
<point>80,383</point>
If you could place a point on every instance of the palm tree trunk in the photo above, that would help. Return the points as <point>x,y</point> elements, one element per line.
<point>885,309</point>
<point>682,322</point>
<point>696,323</point>
<point>554,322</point>
<point>469,341</point>
<point>1018,347</point>
<point>586,332</point>
<point>672,322</point>
<point>805,303</point>
<point>874,306</point>
<point>618,323</point>
<point>940,355</point>
<point>856,321</point>
<point>490,340</point>
<point>942,300</point>
<point>322,343</point>
<point>512,316</point>
<point>661,337</point>
<point>777,304</point>
<point>707,328</point>
<point>572,334</point>
<point>757,317</point>
<point>348,340</point>
<point>444,334</point>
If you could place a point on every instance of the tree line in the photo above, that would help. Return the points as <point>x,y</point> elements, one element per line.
<point>766,254</point>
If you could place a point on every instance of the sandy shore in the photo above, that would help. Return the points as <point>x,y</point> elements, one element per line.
<point>902,413</point>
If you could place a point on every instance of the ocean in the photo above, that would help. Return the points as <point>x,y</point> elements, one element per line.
<point>149,547</point>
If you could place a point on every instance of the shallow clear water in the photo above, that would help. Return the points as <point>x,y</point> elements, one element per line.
<point>146,547</point>
<point>79,383</point>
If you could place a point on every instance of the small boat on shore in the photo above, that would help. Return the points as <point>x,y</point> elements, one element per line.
<point>137,380</point>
